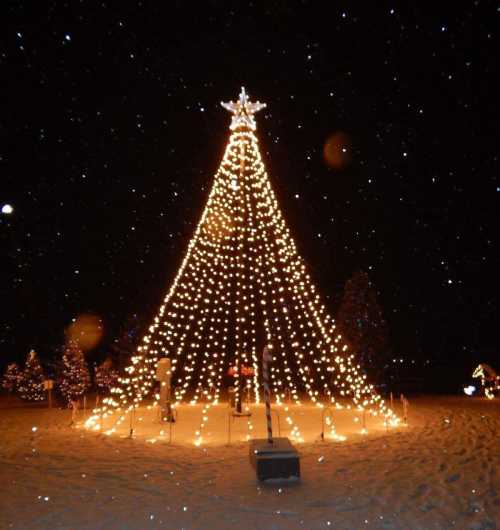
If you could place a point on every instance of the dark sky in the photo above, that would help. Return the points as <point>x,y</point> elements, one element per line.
<point>111,132</point>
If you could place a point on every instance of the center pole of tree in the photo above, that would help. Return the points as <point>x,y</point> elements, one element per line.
<point>239,392</point>
<point>266,359</point>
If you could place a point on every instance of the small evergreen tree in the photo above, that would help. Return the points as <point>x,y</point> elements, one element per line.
<point>361,322</point>
<point>30,385</point>
<point>11,378</point>
<point>105,377</point>
<point>75,377</point>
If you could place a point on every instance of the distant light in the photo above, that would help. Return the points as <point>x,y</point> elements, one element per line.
<point>67,37</point>
<point>7,209</point>
<point>469,390</point>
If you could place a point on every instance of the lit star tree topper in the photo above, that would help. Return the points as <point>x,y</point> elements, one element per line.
<point>243,111</point>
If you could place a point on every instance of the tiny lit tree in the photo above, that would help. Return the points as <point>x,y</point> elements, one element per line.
<point>30,385</point>
<point>75,376</point>
<point>105,377</point>
<point>361,321</point>
<point>11,378</point>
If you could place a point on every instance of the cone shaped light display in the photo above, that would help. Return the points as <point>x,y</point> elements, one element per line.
<point>241,285</point>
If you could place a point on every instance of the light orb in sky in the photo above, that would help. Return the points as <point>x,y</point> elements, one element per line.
<point>87,330</point>
<point>7,209</point>
<point>337,150</point>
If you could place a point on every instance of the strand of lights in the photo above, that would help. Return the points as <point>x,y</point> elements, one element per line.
<point>128,387</point>
<point>257,270</point>
<point>266,280</point>
<point>248,296</point>
<point>223,290</point>
<point>264,249</point>
<point>275,266</point>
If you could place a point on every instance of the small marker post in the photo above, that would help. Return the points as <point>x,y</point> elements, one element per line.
<point>48,385</point>
<point>405,411</point>
<point>132,417</point>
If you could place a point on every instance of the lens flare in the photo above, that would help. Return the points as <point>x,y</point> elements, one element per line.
<point>86,330</point>
<point>337,150</point>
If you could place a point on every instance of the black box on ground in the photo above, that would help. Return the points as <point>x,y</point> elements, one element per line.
<point>274,460</point>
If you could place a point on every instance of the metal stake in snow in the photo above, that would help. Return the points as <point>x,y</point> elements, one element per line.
<point>405,409</point>
<point>267,358</point>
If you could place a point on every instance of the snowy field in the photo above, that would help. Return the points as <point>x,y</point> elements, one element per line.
<point>441,471</point>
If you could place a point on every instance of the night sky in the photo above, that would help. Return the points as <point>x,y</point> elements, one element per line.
<point>112,129</point>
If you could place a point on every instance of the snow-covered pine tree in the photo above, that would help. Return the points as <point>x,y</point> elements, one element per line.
<point>11,378</point>
<point>30,385</point>
<point>105,377</point>
<point>75,377</point>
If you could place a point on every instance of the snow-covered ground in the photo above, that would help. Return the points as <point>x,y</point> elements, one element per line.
<point>222,426</point>
<point>441,471</point>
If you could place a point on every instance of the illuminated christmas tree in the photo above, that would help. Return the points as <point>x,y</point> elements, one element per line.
<point>30,385</point>
<point>243,284</point>
<point>75,377</point>
<point>105,377</point>
<point>11,377</point>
